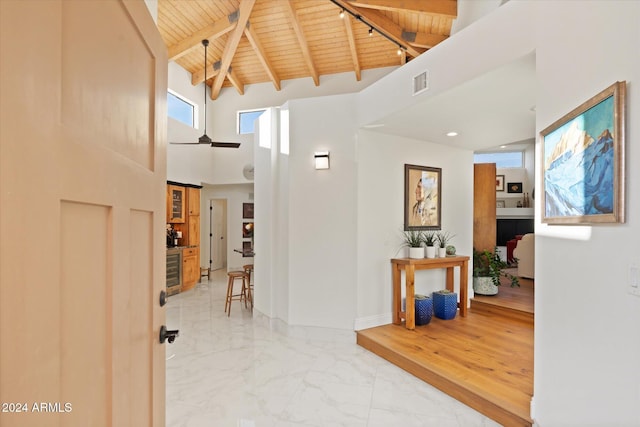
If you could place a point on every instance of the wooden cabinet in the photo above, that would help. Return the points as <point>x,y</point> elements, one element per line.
<point>190,268</point>
<point>175,204</point>
<point>183,212</point>
<point>193,197</point>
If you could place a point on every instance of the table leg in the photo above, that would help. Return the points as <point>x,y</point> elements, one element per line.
<point>410,312</point>
<point>449,282</point>
<point>464,285</point>
<point>397,293</point>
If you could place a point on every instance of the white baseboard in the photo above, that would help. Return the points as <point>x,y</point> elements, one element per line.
<point>372,321</point>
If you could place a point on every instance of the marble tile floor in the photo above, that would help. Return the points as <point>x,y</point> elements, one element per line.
<point>247,371</point>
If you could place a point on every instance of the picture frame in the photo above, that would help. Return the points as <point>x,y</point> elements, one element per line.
<point>247,230</point>
<point>247,249</point>
<point>499,182</point>
<point>422,197</point>
<point>247,210</point>
<point>583,171</point>
<point>514,187</point>
<point>500,203</point>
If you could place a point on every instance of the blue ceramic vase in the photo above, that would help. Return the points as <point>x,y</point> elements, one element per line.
<point>424,309</point>
<point>445,306</point>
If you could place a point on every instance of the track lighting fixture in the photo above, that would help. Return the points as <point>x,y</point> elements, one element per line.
<point>370,31</point>
<point>341,14</point>
<point>399,50</point>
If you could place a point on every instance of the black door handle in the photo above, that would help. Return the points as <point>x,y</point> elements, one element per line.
<point>167,335</point>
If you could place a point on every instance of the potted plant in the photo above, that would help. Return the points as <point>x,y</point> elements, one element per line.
<point>413,239</point>
<point>445,304</point>
<point>443,237</point>
<point>429,238</point>
<point>488,267</point>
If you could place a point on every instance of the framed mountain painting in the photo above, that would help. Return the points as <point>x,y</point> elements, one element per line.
<point>583,162</point>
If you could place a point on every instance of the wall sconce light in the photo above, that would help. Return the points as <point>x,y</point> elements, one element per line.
<point>322,159</point>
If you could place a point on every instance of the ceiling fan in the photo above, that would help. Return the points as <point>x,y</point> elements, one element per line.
<point>205,139</point>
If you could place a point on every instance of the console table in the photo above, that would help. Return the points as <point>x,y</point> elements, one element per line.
<point>410,265</point>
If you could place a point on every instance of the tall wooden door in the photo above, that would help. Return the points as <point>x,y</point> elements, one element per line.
<point>218,233</point>
<point>484,206</point>
<point>82,199</point>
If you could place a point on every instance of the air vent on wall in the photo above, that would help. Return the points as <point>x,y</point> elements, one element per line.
<point>420,82</point>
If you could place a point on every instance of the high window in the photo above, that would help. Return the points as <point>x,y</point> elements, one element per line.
<point>246,120</point>
<point>181,109</point>
<point>502,159</point>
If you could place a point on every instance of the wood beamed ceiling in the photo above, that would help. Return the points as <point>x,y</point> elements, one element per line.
<point>257,41</point>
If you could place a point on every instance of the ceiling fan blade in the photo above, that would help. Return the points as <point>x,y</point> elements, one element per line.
<point>225,144</point>
<point>189,143</point>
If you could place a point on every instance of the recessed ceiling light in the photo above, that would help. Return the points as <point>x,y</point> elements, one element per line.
<point>503,146</point>
<point>452,134</point>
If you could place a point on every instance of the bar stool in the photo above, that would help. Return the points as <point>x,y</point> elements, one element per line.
<point>248,268</point>
<point>205,272</point>
<point>233,275</point>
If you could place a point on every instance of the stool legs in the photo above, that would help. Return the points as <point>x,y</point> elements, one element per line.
<point>244,291</point>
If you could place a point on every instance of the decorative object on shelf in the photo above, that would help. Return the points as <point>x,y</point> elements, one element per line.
<point>423,309</point>
<point>500,203</point>
<point>247,249</point>
<point>413,240</point>
<point>247,210</point>
<point>248,172</point>
<point>443,237</point>
<point>592,134</point>
<point>429,238</point>
<point>451,250</point>
<point>488,267</point>
<point>422,197</point>
<point>247,230</point>
<point>445,304</point>
<point>499,182</point>
<point>514,187</point>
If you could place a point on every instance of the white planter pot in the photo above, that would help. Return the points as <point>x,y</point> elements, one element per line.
<point>416,252</point>
<point>442,252</point>
<point>430,252</point>
<point>484,286</point>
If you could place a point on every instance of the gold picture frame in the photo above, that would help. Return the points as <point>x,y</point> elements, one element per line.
<point>583,171</point>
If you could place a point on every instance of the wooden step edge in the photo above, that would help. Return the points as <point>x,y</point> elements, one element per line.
<point>510,313</point>
<point>498,410</point>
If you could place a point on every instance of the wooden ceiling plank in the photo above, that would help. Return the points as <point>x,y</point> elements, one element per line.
<point>235,81</point>
<point>381,24</point>
<point>212,31</point>
<point>302,41</point>
<point>232,44</point>
<point>352,47</point>
<point>257,47</point>
<point>433,7</point>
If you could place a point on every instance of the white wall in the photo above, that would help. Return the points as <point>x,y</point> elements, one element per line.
<point>380,215</point>
<point>587,332</point>
<point>322,213</point>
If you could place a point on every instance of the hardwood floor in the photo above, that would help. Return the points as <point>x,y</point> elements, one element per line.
<point>484,360</point>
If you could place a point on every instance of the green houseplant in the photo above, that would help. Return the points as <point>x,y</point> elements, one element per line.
<point>488,267</point>
<point>429,238</point>
<point>413,240</point>
<point>443,237</point>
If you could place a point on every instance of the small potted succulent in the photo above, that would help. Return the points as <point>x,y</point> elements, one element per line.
<point>443,238</point>
<point>413,240</point>
<point>429,238</point>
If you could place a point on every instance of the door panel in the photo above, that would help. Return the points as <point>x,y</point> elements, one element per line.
<point>82,221</point>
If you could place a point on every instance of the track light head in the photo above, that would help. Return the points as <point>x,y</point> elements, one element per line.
<point>370,31</point>
<point>341,14</point>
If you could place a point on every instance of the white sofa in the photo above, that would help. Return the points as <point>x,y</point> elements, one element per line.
<point>524,252</point>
